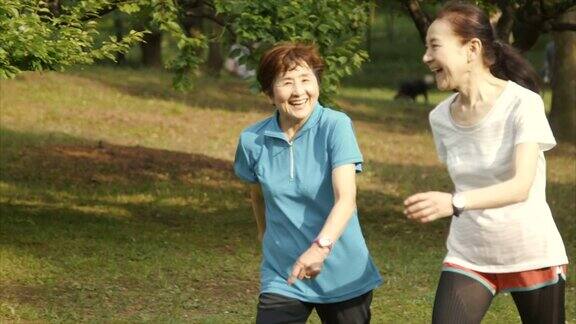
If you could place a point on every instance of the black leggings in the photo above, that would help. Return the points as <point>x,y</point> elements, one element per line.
<point>461,299</point>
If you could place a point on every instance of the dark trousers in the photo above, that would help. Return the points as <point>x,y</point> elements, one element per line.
<point>276,309</point>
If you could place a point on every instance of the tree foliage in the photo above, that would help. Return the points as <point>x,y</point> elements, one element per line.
<point>34,36</point>
<point>336,27</point>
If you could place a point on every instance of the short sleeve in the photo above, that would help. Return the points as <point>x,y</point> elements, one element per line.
<point>343,145</point>
<point>531,125</point>
<point>243,164</point>
<point>440,147</point>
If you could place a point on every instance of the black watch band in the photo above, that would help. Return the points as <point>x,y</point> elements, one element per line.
<point>455,211</point>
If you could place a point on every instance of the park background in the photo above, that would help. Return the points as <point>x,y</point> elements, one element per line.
<point>118,202</point>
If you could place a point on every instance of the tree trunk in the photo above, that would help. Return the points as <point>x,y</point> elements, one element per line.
<point>506,20</point>
<point>528,25</point>
<point>152,49</point>
<point>215,59</point>
<point>420,18</point>
<point>369,24</point>
<point>390,25</point>
<point>55,7</point>
<point>563,114</point>
<point>119,31</point>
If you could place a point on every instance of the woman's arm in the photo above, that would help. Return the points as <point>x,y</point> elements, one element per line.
<point>258,208</point>
<point>344,186</point>
<point>512,191</point>
<point>428,206</point>
<point>309,264</point>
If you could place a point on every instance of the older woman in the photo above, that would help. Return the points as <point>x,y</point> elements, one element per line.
<point>301,163</point>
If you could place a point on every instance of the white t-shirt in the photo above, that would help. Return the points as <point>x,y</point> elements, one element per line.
<point>517,237</point>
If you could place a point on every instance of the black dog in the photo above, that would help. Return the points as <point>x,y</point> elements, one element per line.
<point>414,88</point>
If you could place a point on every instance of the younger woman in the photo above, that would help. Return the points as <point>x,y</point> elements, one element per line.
<point>491,134</point>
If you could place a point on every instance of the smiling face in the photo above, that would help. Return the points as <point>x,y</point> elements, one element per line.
<point>446,56</point>
<point>295,93</point>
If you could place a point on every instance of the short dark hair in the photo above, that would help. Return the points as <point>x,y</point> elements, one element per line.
<point>284,57</point>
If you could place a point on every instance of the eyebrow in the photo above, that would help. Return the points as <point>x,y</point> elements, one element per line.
<point>303,74</point>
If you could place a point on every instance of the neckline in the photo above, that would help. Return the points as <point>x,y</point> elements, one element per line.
<point>486,117</point>
<point>276,131</point>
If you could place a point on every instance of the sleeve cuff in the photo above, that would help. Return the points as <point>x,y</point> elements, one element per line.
<point>544,144</point>
<point>356,161</point>
<point>245,177</point>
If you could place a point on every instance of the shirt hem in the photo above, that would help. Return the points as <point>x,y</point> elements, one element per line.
<point>323,300</point>
<point>506,268</point>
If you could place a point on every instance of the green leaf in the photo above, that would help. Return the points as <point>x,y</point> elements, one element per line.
<point>129,8</point>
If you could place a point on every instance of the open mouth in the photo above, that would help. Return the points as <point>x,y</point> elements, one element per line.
<point>436,70</point>
<point>298,102</point>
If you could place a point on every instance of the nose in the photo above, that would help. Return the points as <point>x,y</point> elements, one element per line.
<point>426,58</point>
<point>297,89</point>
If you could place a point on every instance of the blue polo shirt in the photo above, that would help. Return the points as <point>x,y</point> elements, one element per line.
<point>296,181</point>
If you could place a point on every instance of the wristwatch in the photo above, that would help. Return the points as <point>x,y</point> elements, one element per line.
<point>324,242</point>
<point>458,204</point>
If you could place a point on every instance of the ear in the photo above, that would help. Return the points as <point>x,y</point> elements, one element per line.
<point>270,97</point>
<point>474,49</point>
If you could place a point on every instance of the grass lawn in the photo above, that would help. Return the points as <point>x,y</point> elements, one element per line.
<point>118,201</point>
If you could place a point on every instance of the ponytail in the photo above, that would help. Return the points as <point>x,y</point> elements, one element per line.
<point>510,65</point>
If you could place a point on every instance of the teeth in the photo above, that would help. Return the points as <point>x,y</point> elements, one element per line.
<point>299,102</point>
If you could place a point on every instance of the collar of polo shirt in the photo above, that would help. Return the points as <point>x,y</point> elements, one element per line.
<point>274,129</point>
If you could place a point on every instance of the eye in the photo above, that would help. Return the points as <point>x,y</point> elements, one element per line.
<point>305,80</point>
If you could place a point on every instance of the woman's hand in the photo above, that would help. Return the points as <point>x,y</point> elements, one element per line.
<point>425,207</point>
<point>309,264</point>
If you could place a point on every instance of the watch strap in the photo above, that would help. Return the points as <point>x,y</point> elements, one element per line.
<point>329,246</point>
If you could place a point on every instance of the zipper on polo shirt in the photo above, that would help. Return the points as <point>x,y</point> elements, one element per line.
<point>291,160</point>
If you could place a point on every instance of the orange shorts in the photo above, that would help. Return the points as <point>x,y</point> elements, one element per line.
<point>512,281</point>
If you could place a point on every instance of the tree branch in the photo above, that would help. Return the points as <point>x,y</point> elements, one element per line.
<point>506,21</point>
<point>209,4</point>
<point>420,18</point>
<point>113,6</point>
<point>214,18</point>
<point>528,26</point>
<point>100,13</point>
<point>562,26</point>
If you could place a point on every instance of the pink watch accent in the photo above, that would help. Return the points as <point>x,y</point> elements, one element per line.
<point>324,242</point>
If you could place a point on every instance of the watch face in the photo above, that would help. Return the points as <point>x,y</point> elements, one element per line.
<point>458,201</point>
<point>324,242</point>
